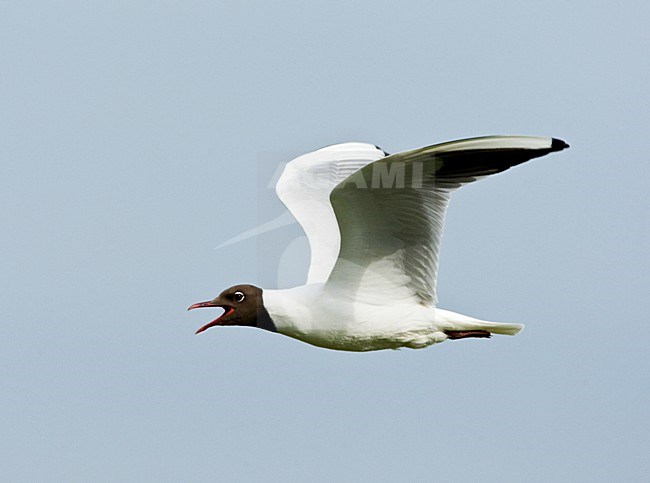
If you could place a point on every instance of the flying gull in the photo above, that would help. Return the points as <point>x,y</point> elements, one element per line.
<point>374,223</point>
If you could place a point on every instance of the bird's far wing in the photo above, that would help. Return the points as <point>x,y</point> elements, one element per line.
<point>305,187</point>
<point>391,214</point>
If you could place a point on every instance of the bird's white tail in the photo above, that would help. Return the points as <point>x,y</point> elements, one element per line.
<point>498,328</point>
<point>453,321</point>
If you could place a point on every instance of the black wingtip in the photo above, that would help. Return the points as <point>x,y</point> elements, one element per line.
<point>558,145</point>
<point>382,150</point>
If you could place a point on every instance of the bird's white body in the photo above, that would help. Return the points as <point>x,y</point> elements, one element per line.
<point>313,314</point>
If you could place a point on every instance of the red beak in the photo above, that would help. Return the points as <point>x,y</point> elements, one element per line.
<point>200,305</point>
<point>228,310</point>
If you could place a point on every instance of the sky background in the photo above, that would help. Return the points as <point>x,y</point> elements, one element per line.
<point>135,137</point>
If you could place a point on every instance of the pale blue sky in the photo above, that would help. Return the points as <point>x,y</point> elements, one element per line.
<point>137,136</point>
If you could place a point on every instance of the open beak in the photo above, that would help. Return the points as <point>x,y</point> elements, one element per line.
<point>227,311</point>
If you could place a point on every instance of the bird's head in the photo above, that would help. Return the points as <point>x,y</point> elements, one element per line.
<point>243,305</point>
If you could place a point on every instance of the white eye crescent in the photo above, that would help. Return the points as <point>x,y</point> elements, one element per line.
<point>238,296</point>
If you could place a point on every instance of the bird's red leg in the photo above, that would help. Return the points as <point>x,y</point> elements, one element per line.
<point>465,334</point>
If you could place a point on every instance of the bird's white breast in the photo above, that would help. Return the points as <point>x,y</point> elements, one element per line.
<point>313,315</point>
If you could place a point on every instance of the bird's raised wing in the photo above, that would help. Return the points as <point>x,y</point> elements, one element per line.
<point>305,187</point>
<point>391,214</point>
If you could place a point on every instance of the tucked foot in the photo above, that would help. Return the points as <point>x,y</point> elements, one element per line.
<point>465,334</point>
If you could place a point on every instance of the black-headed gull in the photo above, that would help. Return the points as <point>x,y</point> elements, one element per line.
<point>374,223</point>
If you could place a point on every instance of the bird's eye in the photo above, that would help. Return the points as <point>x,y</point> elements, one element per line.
<point>238,296</point>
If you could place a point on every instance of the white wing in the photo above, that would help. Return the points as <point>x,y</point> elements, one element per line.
<point>391,214</point>
<point>305,187</point>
